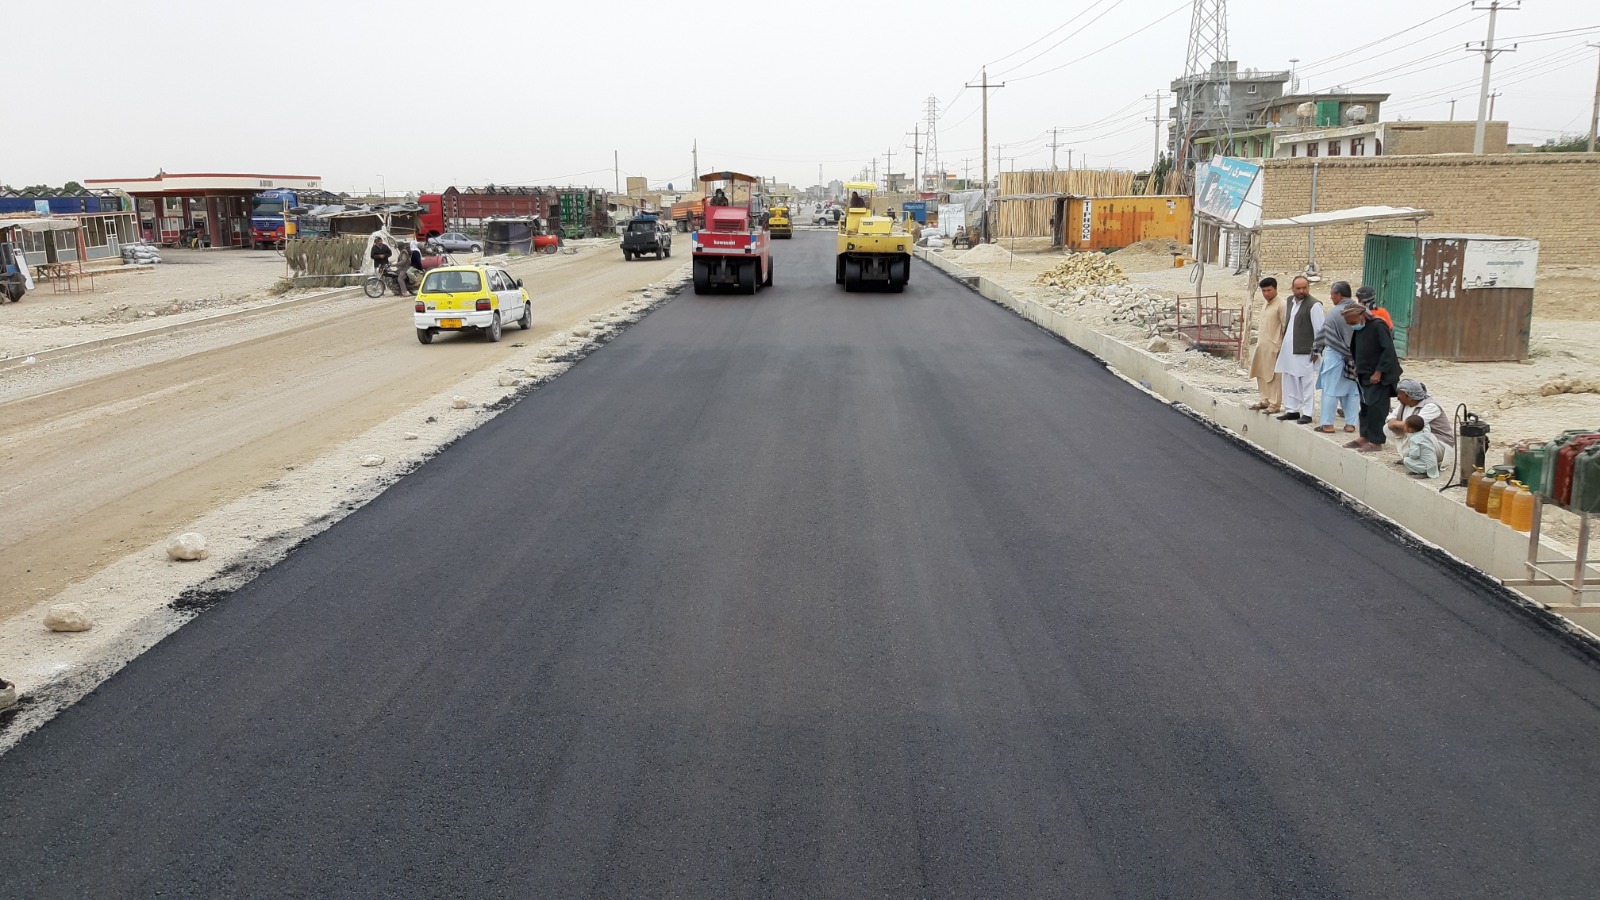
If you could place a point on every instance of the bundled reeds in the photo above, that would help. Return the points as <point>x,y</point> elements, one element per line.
<point>325,261</point>
<point>1031,218</point>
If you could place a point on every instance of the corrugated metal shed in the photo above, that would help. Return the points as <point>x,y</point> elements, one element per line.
<point>1464,297</point>
<point>1111,223</point>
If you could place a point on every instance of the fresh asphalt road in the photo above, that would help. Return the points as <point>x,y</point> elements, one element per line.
<point>823,595</point>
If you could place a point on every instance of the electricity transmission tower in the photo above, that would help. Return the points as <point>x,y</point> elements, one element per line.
<point>930,148</point>
<point>1205,94</point>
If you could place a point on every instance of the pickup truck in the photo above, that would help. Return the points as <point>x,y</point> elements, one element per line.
<point>646,234</point>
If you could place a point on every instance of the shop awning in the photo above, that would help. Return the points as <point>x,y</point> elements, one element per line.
<point>1343,216</point>
<point>40,224</point>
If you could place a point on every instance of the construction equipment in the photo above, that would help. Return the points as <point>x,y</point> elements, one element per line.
<point>778,222</point>
<point>872,250</point>
<point>734,249</point>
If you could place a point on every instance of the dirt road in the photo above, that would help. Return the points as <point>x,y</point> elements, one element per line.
<point>100,455</point>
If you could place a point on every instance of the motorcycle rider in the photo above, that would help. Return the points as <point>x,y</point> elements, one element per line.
<point>380,255</point>
<point>402,268</point>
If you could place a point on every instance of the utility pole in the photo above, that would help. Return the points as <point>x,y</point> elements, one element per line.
<point>696,152</point>
<point>930,145</point>
<point>1489,53</point>
<point>1452,109</point>
<point>1491,104</point>
<point>1054,143</point>
<point>888,166</point>
<point>616,175</point>
<point>916,157</point>
<point>1160,120</point>
<point>986,87</point>
<point>1594,118</point>
<point>966,171</point>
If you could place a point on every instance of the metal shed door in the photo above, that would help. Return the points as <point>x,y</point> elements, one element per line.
<point>1390,267</point>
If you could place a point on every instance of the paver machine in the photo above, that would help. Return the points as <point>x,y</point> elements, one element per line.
<point>734,248</point>
<point>872,250</point>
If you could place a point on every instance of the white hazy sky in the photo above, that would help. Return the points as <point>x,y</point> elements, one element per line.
<point>527,92</point>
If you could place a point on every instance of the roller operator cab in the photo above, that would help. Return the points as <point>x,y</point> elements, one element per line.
<point>734,248</point>
<point>872,250</point>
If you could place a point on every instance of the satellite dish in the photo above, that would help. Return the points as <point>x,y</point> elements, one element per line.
<point>1356,114</point>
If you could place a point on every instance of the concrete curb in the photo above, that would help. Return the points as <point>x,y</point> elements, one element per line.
<point>1489,549</point>
<point>97,343</point>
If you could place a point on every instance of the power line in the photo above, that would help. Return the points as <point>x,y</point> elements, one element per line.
<point>1153,23</point>
<point>1103,14</point>
<point>1533,68</point>
<point>1048,33</point>
<point>1343,57</point>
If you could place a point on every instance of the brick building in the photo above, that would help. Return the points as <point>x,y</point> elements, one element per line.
<point>1550,197</point>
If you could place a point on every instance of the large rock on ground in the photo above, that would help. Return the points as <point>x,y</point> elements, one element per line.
<point>68,617</point>
<point>188,546</point>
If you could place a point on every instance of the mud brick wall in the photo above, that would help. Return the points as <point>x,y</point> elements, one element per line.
<point>1552,197</point>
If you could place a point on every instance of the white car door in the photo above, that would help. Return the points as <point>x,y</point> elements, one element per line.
<point>510,298</point>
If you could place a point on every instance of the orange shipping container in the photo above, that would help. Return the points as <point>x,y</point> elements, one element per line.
<point>1111,223</point>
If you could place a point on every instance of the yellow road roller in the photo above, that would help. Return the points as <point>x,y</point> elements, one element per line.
<point>872,251</point>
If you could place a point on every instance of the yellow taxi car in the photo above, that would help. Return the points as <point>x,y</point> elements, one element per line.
<point>470,298</point>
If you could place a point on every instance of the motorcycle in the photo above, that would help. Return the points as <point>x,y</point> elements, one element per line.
<point>376,284</point>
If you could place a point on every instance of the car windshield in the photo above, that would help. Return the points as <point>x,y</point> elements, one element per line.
<point>266,206</point>
<point>643,227</point>
<point>452,283</point>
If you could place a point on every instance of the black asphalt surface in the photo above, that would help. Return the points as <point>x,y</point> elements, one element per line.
<point>824,595</point>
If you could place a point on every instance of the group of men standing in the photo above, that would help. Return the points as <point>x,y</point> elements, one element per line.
<point>1348,355</point>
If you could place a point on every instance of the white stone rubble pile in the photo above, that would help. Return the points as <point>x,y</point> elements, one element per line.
<point>1119,303</point>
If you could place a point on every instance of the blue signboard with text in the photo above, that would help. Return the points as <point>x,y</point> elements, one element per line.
<point>1220,190</point>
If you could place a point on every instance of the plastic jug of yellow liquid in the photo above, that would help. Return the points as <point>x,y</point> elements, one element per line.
<point>1497,495</point>
<point>1476,482</point>
<point>1522,509</point>
<point>1507,500</point>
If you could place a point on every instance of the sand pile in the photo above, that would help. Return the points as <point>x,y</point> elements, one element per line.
<point>986,254</point>
<point>1153,247</point>
<point>1083,270</point>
